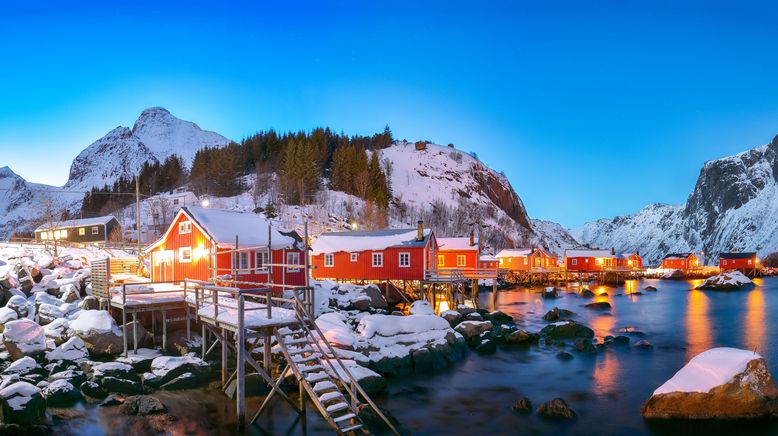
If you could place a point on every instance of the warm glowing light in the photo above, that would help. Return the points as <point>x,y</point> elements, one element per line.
<point>443,306</point>
<point>354,225</point>
<point>205,202</point>
<point>629,262</point>
<point>199,252</point>
<point>598,261</point>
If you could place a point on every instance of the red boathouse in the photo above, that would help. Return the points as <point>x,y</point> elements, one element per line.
<point>745,261</point>
<point>459,253</point>
<point>586,260</point>
<point>681,261</point>
<point>206,244</point>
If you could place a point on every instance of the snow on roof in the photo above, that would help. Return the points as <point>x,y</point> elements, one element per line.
<point>678,255</point>
<point>515,252</point>
<point>457,244</point>
<point>487,258</point>
<point>589,253</point>
<point>224,225</point>
<point>334,242</point>
<point>708,369</point>
<point>98,220</point>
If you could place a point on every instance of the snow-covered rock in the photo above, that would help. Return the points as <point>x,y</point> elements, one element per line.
<point>23,337</point>
<point>421,307</point>
<point>720,383</point>
<point>726,281</point>
<point>22,403</point>
<point>168,368</point>
<point>99,331</point>
<point>74,350</point>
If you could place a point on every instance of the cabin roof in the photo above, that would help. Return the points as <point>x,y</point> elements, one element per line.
<point>677,255</point>
<point>487,258</point>
<point>738,255</point>
<point>457,244</point>
<point>515,252</point>
<point>83,222</point>
<point>589,253</point>
<point>333,242</point>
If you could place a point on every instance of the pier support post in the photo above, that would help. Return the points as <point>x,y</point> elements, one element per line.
<point>223,340</point>
<point>240,346</point>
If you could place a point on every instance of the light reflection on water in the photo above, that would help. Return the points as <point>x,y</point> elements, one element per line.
<point>606,389</point>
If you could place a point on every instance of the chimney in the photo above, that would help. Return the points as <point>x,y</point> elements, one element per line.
<point>420,231</point>
<point>613,251</point>
<point>472,238</point>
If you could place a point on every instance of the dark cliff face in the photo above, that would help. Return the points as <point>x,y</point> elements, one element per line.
<point>723,185</point>
<point>501,193</point>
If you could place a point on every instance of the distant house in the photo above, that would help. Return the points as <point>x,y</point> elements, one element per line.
<point>488,262</point>
<point>380,255</point>
<point>526,259</point>
<point>458,253</point>
<point>588,260</point>
<point>738,261</point>
<point>97,229</point>
<point>681,261</point>
<point>630,261</point>
<point>200,244</point>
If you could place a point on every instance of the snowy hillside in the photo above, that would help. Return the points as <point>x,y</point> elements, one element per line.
<point>733,207</point>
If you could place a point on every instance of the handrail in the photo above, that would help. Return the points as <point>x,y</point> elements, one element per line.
<point>355,384</point>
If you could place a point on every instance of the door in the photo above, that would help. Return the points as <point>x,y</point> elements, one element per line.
<point>163,265</point>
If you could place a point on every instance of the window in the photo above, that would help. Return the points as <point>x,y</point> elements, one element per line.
<point>81,231</point>
<point>750,261</point>
<point>95,230</point>
<point>292,259</point>
<point>184,227</point>
<point>329,260</point>
<point>574,262</point>
<point>260,260</point>
<point>185,254</point>
<point>405,260</point>
<point>44,235</point>
<point>354,257</point>
<point>461,260</point>
<point>525,260</point>
<point>240,261</point>
<point>501,260</point>
<point>586,260</point>
<point>378,260</point>
<point>441,260</point>
<point>61,234</point>
<point>175,201</point>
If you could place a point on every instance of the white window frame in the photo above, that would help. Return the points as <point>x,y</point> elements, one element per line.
<point>407,263</point>
<point>82,231</point>
<point>461,260</point>
<point>380,257</point>
<point>243,258</point>
<point>329,260</point>
<point>184,227</point>
<point>260,258</point>
<point>181,257</point>
<point>573,261</point>
<point>292,258</point>
<point>354,257</point>
<point>441,260</point>
<point>750,262</point>
<point>95,230</point>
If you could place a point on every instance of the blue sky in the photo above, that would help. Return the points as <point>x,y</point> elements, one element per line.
<point>592,109</point>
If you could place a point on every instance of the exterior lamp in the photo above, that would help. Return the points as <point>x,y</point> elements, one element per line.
<point>205,202</point>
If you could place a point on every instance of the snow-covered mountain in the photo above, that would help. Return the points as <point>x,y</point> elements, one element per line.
<point>733,207</point>
<point>451,190</point>
<point>156,135</point>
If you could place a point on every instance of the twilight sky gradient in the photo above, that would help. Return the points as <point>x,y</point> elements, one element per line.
<point>592,109</point>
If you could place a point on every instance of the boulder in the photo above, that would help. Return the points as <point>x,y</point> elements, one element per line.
<point>473,329</point>
<point>186,380</point>
<point>452,316</point>
<point>112,400</point>
<point>650,289</point>
<point>255,386</point>
<point>114,369</point>
<point>421,307</point>
<point>487,346</point>
<point>566,330</point>
<point>474,316</point>
<point>93,390</point>
<point>587,293</point>
<point>720,383</point>
<point>144,337</point>
<point>73,350</point>
<point>23,337</point>
<point>48,313</point>
<point>70,294</point>
<point>23,403</point>
<point>73,376</point>
<point>90,303</point>
<point>643,344</point>
<point>621,340</point>
<point>99,331</point>
<point>170,367</point>
<point>727,281</point>
<point>7,314</point>
<point>584,346</point>
<point>426,360</point>
<point>140,360</point>
<point>675,274</point>
<point>564,355</point>
<point>23,366</point>
<point>524,405</point>
<point>57,330</point>
<point>519,337</point>
<point>179,344</point>
<point>499,317</point>
<point>556,314</point>
<point>600,305</point>
<point>61,393</point>
<point>556,409</point>
<point>19,305</point>
<point>121,386</point>
<point>549,293</point>
<point>142,405</point>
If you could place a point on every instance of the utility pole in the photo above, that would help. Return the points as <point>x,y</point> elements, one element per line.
<point>137,217</point>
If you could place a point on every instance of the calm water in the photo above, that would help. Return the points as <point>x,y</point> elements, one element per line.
<point>606,389</point>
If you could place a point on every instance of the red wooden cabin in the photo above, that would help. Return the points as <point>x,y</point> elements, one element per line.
<point>458,253</point>
<point>630,261</point>
<point>590,260</point>
<point>488,262</point>
<point>525,259</point>
<point>200,244</point>
<point>398,254</point>
<point>740,261</point>
<point>681,261</point>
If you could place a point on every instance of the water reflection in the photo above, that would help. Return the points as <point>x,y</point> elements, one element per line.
<point>699,336</point>
<point>606,372</point>
<point>754,321</point>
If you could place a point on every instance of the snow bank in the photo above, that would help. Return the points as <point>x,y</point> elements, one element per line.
<point>336,330</point>
<point>95,321</point>
<point>421,308</point>
<point>709,369</point>
<point>389,325</point>
<point>727,280</point>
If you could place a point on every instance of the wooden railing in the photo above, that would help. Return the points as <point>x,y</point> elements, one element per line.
<point>460,274</point>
